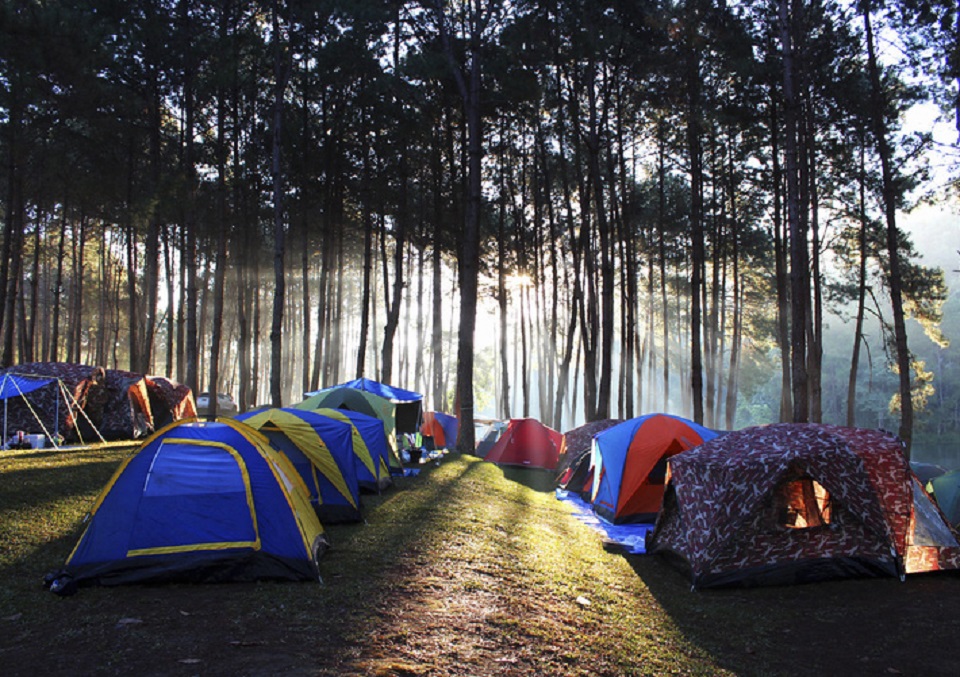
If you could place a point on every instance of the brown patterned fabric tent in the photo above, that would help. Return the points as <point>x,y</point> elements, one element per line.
<point>119,406</point>
<point>57,405</point>
<point>169,401</point>
<point>578,442</point>
<point>791,503</point>
<point>85,404</point>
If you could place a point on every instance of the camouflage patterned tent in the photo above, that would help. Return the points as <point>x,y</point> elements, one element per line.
<point>86,404</point>
<point>169,401</point>
<point>791,503</point>
<point>121,407</point>
<point>56,407</point>
<point>578,443</point>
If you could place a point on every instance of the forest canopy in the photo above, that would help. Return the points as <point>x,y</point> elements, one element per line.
<point>568,209</point>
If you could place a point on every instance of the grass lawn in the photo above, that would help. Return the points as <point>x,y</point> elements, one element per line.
<point>467,569</point>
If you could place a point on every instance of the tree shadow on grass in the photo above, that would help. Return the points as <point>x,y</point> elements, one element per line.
<point>538,479</point>
<point>30,487</point>
<point>855,626</point>
<point>232,628</point>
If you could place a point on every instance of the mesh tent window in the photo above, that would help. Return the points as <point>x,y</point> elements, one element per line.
<point>801,503</point>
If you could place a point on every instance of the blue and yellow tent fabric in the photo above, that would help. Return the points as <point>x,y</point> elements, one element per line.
<point>630,463</point>
<point>321,449</point>
<point>370,446</point>
<point>200,502</point>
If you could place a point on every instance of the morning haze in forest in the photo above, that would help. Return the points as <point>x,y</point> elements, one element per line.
<point>570,210</point>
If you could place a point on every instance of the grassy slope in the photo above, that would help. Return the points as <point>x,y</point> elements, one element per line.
<point>465,570</point>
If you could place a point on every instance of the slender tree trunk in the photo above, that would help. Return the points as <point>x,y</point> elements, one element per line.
<point>12,227</point>
<point>733,376</point>
<point>191,341</point>
<point>861,293</point>
<point>696,222</point>
<point>280,74</point>
<point>436,335</point>
<point>662,256</point>
<point>815,316</point>
<point>17,224</point>
<point>366,191</point>
<point>151,261</point>
<point>172,306</point>
<point>780,258</point>
<point>394,298</point>
<point>53,354</point>
<point>30,328</point>
<point>220,272</point>
<point>470,90</point>
<point>799,296</point>
<point>502,292</point>
<point>602,409</point>
<point>892,236</point>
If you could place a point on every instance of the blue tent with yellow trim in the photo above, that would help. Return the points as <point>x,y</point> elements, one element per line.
<point>199,502</point>
<point>321,449</point>
<point>374,474</point>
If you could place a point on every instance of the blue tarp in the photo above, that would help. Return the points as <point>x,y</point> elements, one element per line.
<point>377,388</point>
<point>631,537</point>
<point>14,386</point>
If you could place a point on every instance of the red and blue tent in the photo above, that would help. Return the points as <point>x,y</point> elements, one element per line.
<point>630,464</point>
<point>443,428</point>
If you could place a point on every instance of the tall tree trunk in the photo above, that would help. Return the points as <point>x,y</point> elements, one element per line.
<point>858,337</point>
<point>815,316</point>
<point>878,109</point>
<point>470,244</point>
<point>436,326</point>
<point>733,376</point>
<point>602,409</point>
<point>662,256</point>
<point>220,273</point>
<point>151,261</point>
<point>191,341</point>
<point>502,291</point>
<point>799,293</point>
<point>394,298</point>
<point>780,259</point>
<point>53,355</point>
<point>172,306</point>
<point>280,74</point>
<point>366,193</point>
<point>30,329</point>
<point>16,224</point>
<point>696,225</point>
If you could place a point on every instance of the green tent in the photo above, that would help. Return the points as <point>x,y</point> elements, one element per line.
<point>363,402</point>
<point>350,399</point>
<point>946,491</point>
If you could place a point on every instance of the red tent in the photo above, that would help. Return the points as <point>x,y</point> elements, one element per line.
<point>529,443</point>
